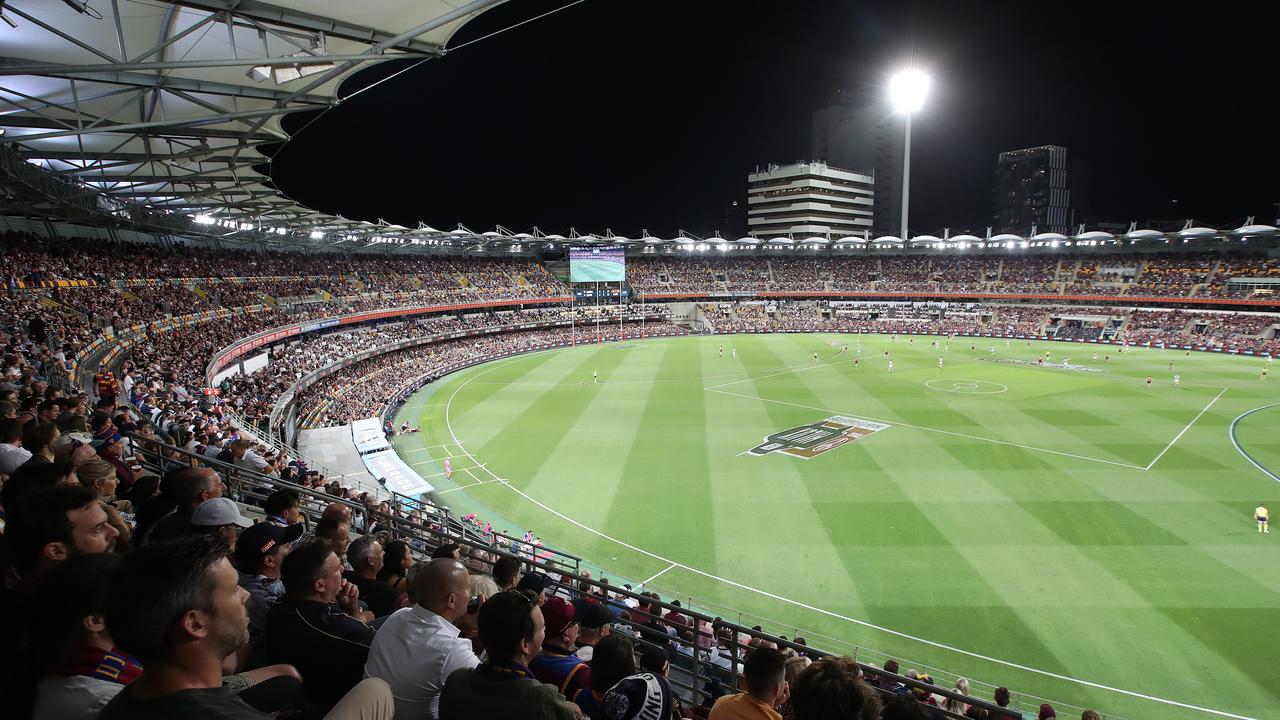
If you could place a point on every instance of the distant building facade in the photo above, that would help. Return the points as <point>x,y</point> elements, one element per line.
<point>808,199</point>
<point>1032,188</point>
<point>869,140</point>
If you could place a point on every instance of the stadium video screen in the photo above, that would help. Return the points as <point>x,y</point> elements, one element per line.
<point>597,264</point>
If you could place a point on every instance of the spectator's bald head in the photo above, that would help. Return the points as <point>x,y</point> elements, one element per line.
<point>338,511</point>
<point>443,586</point>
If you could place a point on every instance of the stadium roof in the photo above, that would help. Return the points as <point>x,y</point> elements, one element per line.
<point>174,105</point>
<point>163,115</point>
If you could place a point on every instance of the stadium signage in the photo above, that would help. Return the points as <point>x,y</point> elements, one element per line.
<point>809,441</point>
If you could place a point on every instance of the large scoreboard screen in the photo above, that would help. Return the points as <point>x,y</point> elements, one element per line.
<point>597,264</point>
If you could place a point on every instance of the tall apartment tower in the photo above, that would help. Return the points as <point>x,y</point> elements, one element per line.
<point>1032,188</point>
<point>868,139</point>
<point>808,199</point>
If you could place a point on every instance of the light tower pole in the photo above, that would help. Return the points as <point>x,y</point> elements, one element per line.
<point>907,91</point>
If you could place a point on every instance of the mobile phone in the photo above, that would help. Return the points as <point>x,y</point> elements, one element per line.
<point>473,605</point>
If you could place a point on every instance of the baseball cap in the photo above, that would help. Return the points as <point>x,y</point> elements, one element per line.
<point>594,615</point>
<point>219,511</point>
<point>639,696</point>
<point>559,615</point>
<point>534,582</point>
<point>262,539</point>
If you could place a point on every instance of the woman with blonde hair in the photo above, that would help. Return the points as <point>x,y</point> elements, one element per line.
<point>795,665</point>
<point>953,705</point>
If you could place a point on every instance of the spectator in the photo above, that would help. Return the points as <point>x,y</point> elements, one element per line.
<point>641,697</point>
<point>284,507</point>
<point>1003,698</point>
<point>74,448</point>
<point>336,534</point>
<point>82,669</point>
<point>396,561</point>
<point>901,706</point>
<point>952,705</point>
<point>101,477</point>
<point>189,487</point>
<point>111,448</point>
<point>832,688</point>
<point>37,439</point>
<point>177,607</point>
<point>794,666</point>
<point>556,664</point>
<point>51,524</point>
<point>512,629</point>
<point>327,644</point>
<point>12,454</point>
<point>535,583</point>
<point>366,557</point>
<point>452,551</point>
<point>595,625</point>
<point>1089,715</point>
<point>1046,712</point>
<point>613,660</point>
<point>765,674</point>
<point>221,518</point>
<point>259,553</point>
<point>506,571</point>
<point>419,647</point>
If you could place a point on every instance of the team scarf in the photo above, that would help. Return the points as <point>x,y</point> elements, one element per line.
<point>113,665</point>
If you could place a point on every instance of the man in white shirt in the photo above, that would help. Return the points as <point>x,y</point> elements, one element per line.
<point>417,648</point>
<point>11,453</point>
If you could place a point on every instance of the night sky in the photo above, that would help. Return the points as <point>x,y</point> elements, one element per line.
<point>629,115</point>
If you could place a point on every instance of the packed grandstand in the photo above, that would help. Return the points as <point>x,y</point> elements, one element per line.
<point>147,363</point>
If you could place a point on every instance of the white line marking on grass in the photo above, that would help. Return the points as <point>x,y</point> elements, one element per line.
<point>1185,429</point>
<point>828,613</point>
<point>425,448</point>
<point>468,485</point>
<point>425,477</point>
<point>783,371</point>
<point>936,430</point>
<point>1231,433</point>
<point>660,574</point>
<point>965,386</point>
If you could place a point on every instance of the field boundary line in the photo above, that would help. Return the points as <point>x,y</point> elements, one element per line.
<point>468,485</point>
<point>1185,429</point>
<point>660,574</point>
<point>821,611</point>
<point>937,430</point>
<point>1231,433</point>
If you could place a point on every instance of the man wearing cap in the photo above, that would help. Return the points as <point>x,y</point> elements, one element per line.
<point>110,446</point>
<point>419,647</point>
<point>639,697</point>
<point>221,518</point>
<point>596,622</point>
<point>535,583</point>
<point>260,550</point>
<point>556,664</point>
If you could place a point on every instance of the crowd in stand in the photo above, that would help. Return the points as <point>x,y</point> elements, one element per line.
<point>134,595</point>
<point>364,389</point>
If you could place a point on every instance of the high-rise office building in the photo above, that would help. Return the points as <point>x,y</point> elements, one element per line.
<point>1032,189</point>
<point>808,199</point>
<point>867,140</point>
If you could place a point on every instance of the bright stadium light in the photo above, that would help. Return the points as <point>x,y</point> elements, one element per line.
<point>907,91</point>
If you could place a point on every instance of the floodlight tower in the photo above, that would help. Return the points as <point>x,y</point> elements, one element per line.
<point>907,91</point>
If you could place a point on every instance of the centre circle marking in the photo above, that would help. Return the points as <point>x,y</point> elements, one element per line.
<point>966,386</point>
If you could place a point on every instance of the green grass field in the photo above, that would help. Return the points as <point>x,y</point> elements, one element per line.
<point>1053,530</point>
